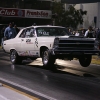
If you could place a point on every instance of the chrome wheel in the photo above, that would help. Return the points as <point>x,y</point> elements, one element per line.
<point>45,57</point>
<point>13,56</point>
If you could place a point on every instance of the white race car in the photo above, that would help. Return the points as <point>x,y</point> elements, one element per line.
<point>50,43</point>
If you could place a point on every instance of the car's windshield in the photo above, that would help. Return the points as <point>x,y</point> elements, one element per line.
<point>51,31</point>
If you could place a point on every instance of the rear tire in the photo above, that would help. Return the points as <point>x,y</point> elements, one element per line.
<point>15,58</point>
<point>33,58</point>
<point>48,59</point>
<point>85,60</point>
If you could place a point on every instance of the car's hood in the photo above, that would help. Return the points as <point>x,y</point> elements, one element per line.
<point>72,37</point>
<point>62,36</point>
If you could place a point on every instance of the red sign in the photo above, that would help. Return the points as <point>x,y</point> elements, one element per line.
<point>10,12</point>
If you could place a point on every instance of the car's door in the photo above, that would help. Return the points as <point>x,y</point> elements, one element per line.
<point>28,42</point>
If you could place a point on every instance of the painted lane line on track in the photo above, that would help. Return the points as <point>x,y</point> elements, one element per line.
<point>25,94</point>
<point>0,84</point>
<point>3,98</point>
<point>27,89</point>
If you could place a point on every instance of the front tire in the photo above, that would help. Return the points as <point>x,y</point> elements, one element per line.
<point>85,60</point>
<point>15,58</point>
<point>48,59</point>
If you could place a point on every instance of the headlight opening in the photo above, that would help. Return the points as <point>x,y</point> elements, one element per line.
<point>56,42</point>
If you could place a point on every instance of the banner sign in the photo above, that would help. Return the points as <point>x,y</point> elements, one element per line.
<point>26,13</point>
<point>38,13</point>
<point>11,12</point>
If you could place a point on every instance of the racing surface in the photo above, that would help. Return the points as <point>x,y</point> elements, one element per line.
<point>69,82</point>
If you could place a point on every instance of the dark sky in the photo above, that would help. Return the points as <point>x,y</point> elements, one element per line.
<point>79,1</point>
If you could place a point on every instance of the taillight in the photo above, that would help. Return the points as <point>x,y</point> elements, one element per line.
<point>99,47</point>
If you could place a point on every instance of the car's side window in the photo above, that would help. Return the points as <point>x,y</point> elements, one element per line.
<point>29,33</point>
<point>22,35</point>
<point>32,32</point>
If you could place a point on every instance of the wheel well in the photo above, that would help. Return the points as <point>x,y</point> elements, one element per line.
<point>11,50</point>
<point>42,49</point>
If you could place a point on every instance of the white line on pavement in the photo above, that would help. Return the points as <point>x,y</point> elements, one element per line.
<point>27,89</point>
<point>3,98</point>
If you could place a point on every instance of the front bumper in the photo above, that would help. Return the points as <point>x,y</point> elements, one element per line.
<point>93,52</point>
<point>74,52</point>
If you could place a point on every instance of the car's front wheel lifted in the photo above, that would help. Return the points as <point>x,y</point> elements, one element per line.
<point>48,59</point>
<point>85,60</point>
<point>15,58</point>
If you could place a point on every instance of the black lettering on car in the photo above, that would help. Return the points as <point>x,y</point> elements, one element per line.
<point>28,40</point>
<point>36,42</point>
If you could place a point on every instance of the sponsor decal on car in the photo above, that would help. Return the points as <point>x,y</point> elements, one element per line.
<point>36,42</point>
<point>26,53</point>
<point>28,41</point>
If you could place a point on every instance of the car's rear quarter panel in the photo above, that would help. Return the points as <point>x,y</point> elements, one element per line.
<point>9,44</point>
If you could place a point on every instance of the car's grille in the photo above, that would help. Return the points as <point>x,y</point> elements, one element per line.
<point>75,45</point>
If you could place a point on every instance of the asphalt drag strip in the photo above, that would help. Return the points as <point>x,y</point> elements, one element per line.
<point>29,93</point>
<point>9,93</point>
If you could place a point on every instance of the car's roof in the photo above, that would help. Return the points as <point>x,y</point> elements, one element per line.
<point>43,26</point>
